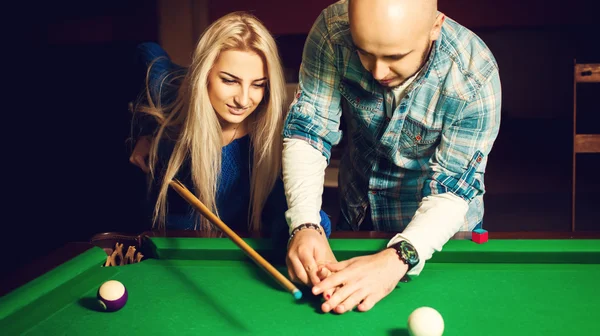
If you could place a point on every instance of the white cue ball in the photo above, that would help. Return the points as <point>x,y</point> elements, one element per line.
<point>425,321</point>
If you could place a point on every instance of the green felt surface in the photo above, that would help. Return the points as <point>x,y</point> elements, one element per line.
<point>191,289</point>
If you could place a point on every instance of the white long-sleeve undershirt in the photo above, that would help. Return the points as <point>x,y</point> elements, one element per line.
<point>436,220</point>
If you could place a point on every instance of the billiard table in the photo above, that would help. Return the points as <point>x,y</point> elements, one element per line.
<point>193,285</point>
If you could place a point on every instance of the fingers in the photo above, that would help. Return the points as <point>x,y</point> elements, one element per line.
<point>311,269</point>
<point>297,272</point>
<point>349,303</point>
<point>139,161</point>
<point>338,266</point>
<point>323,273</point>
<point>132,159</point>
<point>140,153</point>
<point>144,166</point>
<point>303,251</point>
<point>369,302</point>
<point>330,283</point>
<point>291,272</point>
<point>328,293</point>
<point>332,280</point>
<point>310,266</point>
<point>341,294</point>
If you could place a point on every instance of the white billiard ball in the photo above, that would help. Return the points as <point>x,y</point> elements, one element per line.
<point>112,295</point>
<point>425,321</point>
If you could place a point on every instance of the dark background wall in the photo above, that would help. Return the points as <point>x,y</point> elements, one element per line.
<point>74,178</point>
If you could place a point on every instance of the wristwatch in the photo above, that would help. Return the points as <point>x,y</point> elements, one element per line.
<point>407,253</point>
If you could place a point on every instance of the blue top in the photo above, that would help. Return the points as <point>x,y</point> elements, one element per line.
<point>233,191</point>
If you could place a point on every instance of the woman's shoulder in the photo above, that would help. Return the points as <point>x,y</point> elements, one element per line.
<point>149,52</point>
<point>155,60</point>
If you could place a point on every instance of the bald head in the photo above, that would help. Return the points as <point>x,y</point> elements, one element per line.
<point>386,31</point>
<point>384,20</point>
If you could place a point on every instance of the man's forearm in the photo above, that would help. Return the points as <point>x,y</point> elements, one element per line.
<point>438,218</point>
<point>303,178</point>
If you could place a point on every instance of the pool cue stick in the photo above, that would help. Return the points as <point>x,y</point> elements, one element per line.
<point>195,202</point>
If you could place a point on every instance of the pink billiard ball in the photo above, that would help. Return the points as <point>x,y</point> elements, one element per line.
<point>112,295</point>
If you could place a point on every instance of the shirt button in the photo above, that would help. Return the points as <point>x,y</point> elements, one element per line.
<point>479,159</point>
<point>358,100</point>
<point>373,192</point>
<point>418,137</point>
<point>298,95</point>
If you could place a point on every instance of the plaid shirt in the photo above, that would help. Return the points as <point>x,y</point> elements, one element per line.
<point>436,141</point>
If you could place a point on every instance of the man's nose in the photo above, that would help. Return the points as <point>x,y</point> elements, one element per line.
<point>380,70</point>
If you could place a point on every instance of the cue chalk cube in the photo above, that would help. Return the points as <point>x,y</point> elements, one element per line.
<point>479,236</point>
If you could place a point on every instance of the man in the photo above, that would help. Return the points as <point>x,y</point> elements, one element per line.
<point>421,97</point>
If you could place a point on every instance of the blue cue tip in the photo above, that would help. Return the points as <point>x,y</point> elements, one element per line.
<point>297,294</point>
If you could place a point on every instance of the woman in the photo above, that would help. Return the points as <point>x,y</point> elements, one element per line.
<point>217,128</point>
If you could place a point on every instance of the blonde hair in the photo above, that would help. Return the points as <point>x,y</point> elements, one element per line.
<point>191,119</point>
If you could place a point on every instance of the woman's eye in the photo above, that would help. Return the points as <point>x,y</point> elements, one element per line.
<point>227,81</point>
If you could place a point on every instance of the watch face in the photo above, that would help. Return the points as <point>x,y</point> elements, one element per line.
<point>409,253</point>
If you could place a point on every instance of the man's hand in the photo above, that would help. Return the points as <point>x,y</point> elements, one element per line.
<point>361,281</point>
<point>140,153</point>
<point>307,251</point>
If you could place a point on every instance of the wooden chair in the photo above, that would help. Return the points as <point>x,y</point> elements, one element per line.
<point>582,143</point>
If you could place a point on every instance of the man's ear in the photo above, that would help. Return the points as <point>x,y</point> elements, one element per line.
<point>437,26</point>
